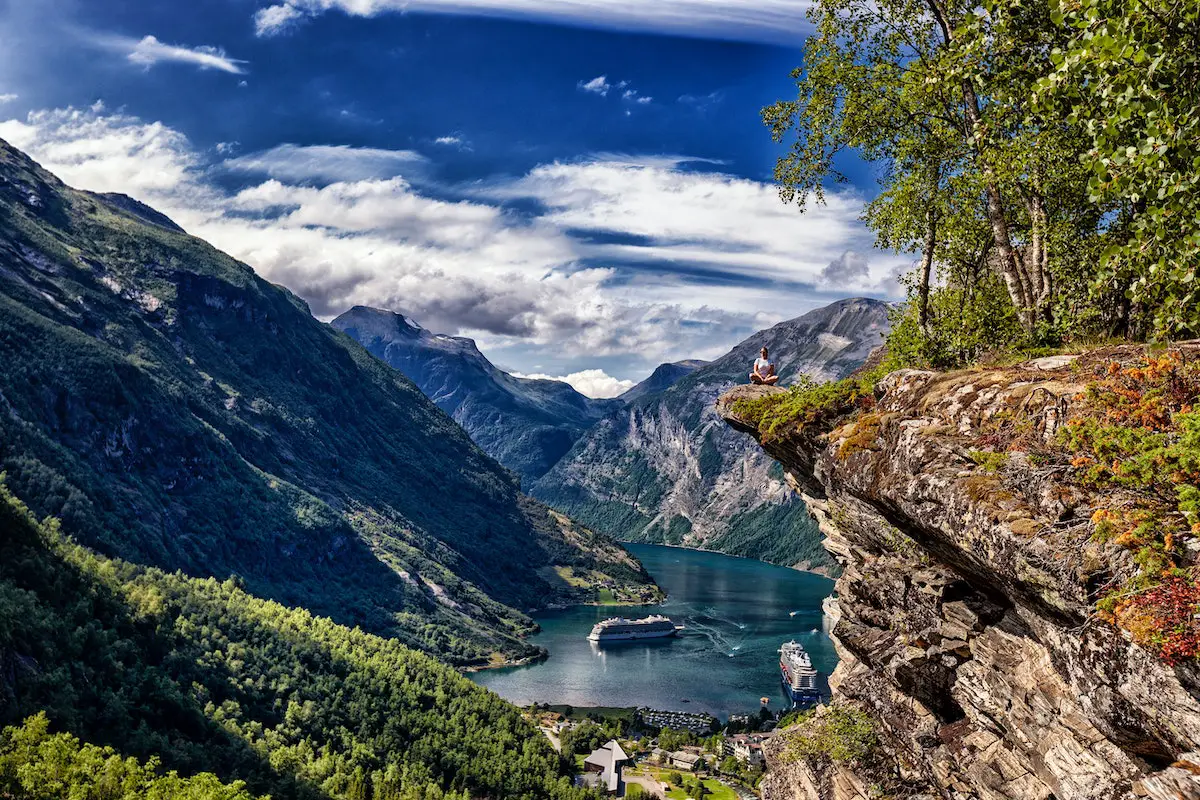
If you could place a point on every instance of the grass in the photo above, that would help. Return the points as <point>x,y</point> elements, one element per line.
<point>717,789</point>
<point>808,403</point>
<point>581,713</point>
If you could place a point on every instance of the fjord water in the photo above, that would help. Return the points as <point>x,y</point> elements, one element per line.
<point>737,612</point>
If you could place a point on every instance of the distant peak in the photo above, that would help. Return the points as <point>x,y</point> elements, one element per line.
<point>378,321</point>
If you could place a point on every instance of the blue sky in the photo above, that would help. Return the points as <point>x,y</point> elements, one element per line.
<point>584,186</point>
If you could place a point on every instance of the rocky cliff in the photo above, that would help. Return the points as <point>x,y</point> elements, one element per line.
<point>665,468</point>
<point>974,660</point>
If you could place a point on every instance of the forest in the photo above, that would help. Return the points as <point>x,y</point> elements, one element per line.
<point>116,678</point>
<point>1041,162</point>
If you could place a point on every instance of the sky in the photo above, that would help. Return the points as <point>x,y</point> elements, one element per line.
<point>583,186</point>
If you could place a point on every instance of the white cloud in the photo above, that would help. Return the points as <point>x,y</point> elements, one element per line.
<point>774,21</point>
<point>847,269</point>
<point>7,98</point>
<point>449,141</point>
<point>276,19</point>
<point>599,85</point>
<point>292,162</point>
<point>633,96</point>
<point>335,227</point>
<point>591,382</point>
<point>707,219</point>
<point>149,51</point>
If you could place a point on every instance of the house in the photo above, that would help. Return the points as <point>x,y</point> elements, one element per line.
<point>605,763</point>
<point>681,760</point>
<point>746,747</point>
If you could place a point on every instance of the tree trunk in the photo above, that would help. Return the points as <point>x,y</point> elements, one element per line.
<point>1038,262</point>
<point>927,266</point>
<point>1008,262</point>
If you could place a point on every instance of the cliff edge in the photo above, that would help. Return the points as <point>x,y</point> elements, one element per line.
<point>987,618</point>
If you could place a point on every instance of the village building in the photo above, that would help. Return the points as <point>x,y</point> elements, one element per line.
<point>746,747</point>
<point>682,760</point>
<point>602,769</point>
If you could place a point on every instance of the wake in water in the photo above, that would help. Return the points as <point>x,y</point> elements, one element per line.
<point>729,644</point>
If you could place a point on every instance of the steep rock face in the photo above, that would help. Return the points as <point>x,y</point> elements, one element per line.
<point>664,377</point>
<point>525,424</point>
<point>963,618</point>
<point>175,410</point>
<point>665,469</point>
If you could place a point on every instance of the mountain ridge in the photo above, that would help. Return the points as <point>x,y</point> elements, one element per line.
<point>527,424</point>
<point>662,378</point>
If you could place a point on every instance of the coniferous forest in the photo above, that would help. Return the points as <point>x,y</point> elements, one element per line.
<point>109,671</point>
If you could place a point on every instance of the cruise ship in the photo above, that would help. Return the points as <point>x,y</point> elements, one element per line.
<point>799,676</point>
<point>619,629</point>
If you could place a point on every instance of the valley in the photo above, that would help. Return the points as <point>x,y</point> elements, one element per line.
<point>532,400</point>
<point>736,612</point>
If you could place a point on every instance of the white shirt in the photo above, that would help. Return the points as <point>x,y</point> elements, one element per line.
<point>761,365</point>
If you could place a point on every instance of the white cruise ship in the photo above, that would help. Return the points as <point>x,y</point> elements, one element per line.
<point>620,629</point>
<point>799,676</point>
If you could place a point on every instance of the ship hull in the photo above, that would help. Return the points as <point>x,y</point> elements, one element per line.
<point>629,636</point>
<point>799,697</point>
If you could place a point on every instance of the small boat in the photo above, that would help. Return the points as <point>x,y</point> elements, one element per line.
<point>792,614</point>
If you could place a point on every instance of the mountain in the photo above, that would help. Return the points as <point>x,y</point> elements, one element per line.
<point>666,468</point>
<point>525,424</point>
<point>226,688</point>
<point>664,377</point>
<point>173,409</point>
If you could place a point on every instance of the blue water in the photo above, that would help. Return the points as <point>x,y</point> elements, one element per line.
<point>736,611</point>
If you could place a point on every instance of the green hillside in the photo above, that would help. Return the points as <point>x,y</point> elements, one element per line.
<point>174,409</point>
<point>205,678</point>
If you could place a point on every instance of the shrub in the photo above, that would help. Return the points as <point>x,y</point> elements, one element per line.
<point>841,734</point>
<point>1137,439</point>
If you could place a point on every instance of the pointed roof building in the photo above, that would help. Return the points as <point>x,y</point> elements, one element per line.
<point>607,761</point>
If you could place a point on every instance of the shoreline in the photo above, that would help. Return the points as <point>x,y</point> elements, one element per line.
<point>822,571</point>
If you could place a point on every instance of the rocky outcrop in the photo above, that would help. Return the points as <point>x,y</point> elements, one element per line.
<point>964,613</point>
<point>666,469</point>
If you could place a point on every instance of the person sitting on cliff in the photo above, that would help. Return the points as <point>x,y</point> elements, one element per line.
<point>764,371</point>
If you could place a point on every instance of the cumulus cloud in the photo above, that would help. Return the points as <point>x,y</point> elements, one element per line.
<point>699,259</point>
<point>773,21</point>
<point>598,85</point>
<point>7,98</point>
<point>449,141</point>
<point>276,19</point>
<point>590,382</point>
<point>633,96</point>
<point>849,269</point>
<point>292,162</point>
<point>149,51</point>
